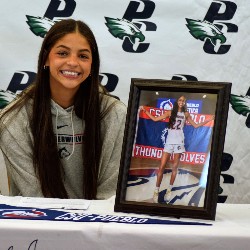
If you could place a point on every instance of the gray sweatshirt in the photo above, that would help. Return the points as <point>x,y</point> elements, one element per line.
<point>16,143</point>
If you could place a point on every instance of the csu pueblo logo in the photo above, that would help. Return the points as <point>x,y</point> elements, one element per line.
<point>193,106</point>
<point>165,103</point>
<point>21,213</point>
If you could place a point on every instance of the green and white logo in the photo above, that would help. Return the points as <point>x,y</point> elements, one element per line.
<point>203,30</point>
<point>39,25</point>
<point>240,104</point>
<point>121,28</point>
<point>6,97</point>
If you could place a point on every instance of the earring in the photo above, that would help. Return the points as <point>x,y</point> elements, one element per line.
<point>45,67</point>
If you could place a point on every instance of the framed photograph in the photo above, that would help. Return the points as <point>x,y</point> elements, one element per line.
<point>172,148</point>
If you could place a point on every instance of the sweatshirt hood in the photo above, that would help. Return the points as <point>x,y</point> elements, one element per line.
<point>57,109</point>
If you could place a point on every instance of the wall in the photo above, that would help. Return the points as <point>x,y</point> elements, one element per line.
<point>168,49</point>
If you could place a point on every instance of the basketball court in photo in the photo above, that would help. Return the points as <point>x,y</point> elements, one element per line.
<point>187,189</point>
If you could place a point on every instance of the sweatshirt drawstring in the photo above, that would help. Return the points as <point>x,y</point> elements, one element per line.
<point>73,132</point>
<point>56,126</point>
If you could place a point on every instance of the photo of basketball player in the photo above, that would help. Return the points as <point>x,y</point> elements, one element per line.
<point>178,116</point>
<point>172,149</point>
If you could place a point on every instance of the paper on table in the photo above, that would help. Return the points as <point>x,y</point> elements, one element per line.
<point>46,202</point>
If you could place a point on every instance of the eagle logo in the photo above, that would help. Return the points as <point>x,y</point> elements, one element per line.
<point>203,30</point>
<point>241,105</point>
<point>121,28</point>
<point>6,97</point>
<point>39,25</point>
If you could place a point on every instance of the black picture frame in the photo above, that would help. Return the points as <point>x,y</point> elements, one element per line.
<point>135,180</point>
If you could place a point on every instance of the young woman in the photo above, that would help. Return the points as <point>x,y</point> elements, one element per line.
<point>174,142</point>
<point>62,136</point>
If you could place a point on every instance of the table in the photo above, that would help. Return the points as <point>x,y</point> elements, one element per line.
<point>230,230</point>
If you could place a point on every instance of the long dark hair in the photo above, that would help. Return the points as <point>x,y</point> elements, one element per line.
<point>87,106</point>
<point>175,111</point>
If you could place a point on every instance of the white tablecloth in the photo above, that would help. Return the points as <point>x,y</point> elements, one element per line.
<point>230,230</point>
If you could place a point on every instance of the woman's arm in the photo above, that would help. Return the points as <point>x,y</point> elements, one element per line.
<point>197,125</point>
<point>112,129</point>
<point>158,118</point>
<point>16,145</point>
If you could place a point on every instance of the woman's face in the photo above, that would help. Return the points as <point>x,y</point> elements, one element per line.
<point>181,101</point>
<point>69,62</point>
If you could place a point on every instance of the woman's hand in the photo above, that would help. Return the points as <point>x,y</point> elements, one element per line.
<point>209,120</point>
<point>212,118</point>
<point>142,108</point>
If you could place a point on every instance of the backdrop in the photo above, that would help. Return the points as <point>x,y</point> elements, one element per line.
<point>159,39</point>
